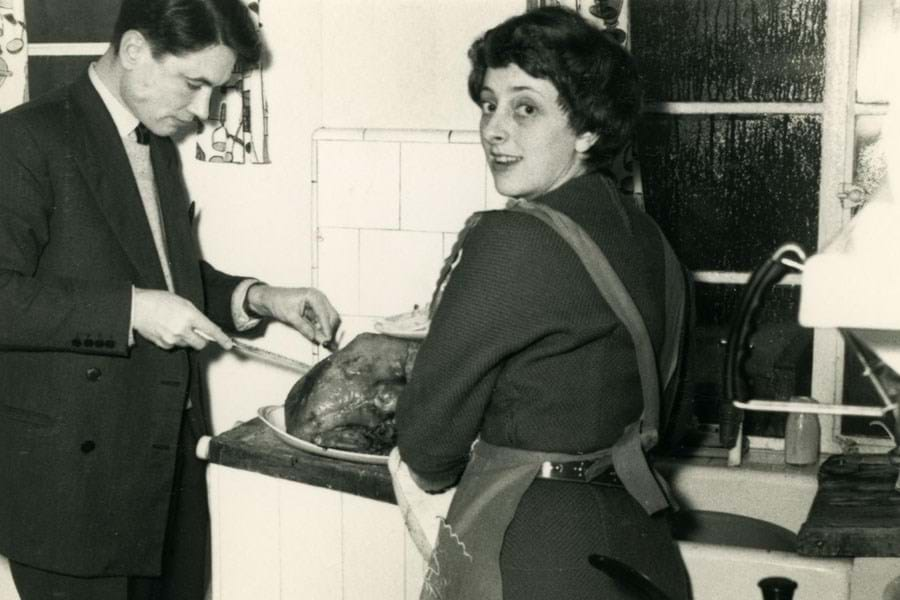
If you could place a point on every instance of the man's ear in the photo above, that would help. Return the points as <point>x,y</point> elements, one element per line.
<point>585,141</point>
<point>133,48</point>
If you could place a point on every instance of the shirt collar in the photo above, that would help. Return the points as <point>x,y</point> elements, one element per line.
<point>123,118</point>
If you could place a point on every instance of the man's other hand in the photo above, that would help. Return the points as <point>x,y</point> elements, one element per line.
<point>305,309</point>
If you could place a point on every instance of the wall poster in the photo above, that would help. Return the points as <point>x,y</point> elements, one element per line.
<point>13,54</point>
<point>237,128</point>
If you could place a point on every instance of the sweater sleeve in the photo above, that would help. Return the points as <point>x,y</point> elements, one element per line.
<point>498,300</point>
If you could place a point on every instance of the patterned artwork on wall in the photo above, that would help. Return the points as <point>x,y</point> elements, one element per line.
<point>13,54</point>
<point>237,128</point>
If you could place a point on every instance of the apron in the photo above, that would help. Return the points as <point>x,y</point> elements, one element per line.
<point>465,564</point>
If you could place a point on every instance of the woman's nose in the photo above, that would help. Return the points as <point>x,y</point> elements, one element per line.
<point>494,127</point>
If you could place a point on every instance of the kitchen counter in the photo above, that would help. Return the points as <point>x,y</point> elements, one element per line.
<point>289,525</point>
<point>856,511</point>
<point>252,446</point>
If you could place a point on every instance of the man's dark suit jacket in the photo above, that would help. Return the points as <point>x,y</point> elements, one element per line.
<point>88,425</point>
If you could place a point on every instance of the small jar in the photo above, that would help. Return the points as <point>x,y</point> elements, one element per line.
<point>801,436</point>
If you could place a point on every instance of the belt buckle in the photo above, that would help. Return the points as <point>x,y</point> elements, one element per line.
<point>546,469</point>
<point>567,471</point>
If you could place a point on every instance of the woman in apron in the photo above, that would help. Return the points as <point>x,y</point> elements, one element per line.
<point>537,388</point>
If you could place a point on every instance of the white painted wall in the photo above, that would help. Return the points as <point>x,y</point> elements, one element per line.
<point>398,64</point>
<point>402,64</point>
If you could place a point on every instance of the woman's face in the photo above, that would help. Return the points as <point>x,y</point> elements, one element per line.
<point>529,145</point>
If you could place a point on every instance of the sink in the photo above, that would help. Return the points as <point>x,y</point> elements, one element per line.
<point>733,572</point>
<point>737,526</point>
<point>726,529</point>
<point>762,488</point>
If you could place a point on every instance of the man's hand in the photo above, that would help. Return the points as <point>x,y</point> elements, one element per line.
<point>168,320</point>
<point>305,309</point>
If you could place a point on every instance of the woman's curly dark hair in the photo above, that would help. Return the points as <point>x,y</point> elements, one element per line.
<point>598,83</point>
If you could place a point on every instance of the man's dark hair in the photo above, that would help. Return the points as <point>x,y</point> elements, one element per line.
<point>178,27</point>
<point>597,81</point>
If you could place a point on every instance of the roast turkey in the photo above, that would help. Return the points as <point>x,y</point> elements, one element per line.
<point>348,400</point>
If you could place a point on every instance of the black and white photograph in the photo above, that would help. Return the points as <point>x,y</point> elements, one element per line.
<point>449,300</point>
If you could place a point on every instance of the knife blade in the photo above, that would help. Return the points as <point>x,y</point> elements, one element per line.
<point>262,353</point>
<point>273,357</point>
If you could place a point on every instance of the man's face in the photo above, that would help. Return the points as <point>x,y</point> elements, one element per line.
<point>170,92</point>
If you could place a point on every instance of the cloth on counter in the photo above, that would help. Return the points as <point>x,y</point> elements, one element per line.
<point>422,511</point>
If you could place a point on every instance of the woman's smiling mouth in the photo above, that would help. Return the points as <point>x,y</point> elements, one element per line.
<point>504,159</point>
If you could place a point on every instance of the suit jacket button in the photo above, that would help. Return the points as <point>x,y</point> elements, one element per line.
<point>93,374</point>
<point>88,446</point>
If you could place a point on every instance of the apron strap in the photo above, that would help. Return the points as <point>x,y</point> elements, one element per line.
<point>628,452</point>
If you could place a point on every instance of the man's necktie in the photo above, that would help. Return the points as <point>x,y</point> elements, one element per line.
<point>142,133</point>
<point>139,157</point>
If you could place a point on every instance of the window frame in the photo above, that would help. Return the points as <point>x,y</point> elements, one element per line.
<point>838,110</point>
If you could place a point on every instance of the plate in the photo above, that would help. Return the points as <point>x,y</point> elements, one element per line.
<point>412,325</point>
<point>386,329</point>
<point>273,418</point>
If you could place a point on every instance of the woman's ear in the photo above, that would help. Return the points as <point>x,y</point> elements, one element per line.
<point>585,141</point>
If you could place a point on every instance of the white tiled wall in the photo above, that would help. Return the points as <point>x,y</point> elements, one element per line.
<point>358,184</point>
<point>440,185</point>
<point>387,206</point>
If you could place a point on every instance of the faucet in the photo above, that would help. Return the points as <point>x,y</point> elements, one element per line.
<point>884,379</point>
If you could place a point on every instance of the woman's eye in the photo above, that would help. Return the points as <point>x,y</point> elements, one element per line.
<point>525,110</point>
<point>488,107</point>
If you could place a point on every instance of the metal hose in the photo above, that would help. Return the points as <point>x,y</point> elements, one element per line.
<point>742,327</point>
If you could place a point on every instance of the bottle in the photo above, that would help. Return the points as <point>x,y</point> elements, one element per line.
<point>777,588</point>
<point>801,436</point>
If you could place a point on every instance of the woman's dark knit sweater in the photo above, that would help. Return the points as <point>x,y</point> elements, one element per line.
<point>523,351</point>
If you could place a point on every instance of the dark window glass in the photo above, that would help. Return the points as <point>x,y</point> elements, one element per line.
<point>46,73</point>
<point>730,189</point>
<point>70,21</point>
<point>740,50</point>
<point>859,391</point>
<point>777,363</point>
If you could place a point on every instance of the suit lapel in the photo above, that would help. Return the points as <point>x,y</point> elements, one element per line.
<point>99,153</point>
<point>174,208</point>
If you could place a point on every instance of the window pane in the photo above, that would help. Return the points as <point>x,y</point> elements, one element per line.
<point>858,390</point>
<point>46,73</point>
<point>730,189</point>
<point>70,21</point>
<point>778,364</point>
<point>742,50</point>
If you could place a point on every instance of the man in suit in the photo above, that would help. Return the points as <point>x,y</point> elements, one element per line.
<point>103,303</point>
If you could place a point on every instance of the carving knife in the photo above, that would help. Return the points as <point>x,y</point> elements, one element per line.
<point>263,354</point>
<point>268,355</point>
